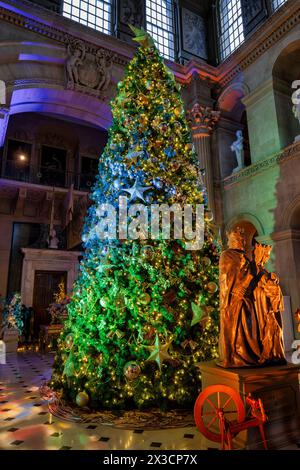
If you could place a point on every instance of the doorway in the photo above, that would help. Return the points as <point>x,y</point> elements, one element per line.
<point>45,286</point>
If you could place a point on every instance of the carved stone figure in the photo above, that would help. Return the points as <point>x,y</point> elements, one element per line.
<point>250,307</point>
<point>238,148</point>
<point>296,112</point>
<point>53,240</point>
<point>268,301</point>
<point>76,54</point>
<point>104,66</point>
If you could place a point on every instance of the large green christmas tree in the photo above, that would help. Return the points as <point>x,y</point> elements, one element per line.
<point>144,312</point>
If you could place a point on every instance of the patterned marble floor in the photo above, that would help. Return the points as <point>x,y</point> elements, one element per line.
<point>26,423</point>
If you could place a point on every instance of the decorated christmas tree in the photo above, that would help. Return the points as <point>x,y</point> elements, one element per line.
<point>13,314</point>
<point>144,309</point>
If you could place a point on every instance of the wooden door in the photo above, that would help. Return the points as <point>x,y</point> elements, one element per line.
<point>45,286</point>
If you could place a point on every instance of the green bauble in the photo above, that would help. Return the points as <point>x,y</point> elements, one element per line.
<point>82,399</point>
<point>104,301</point>
<point>145,298</point>
<point>69,341</point>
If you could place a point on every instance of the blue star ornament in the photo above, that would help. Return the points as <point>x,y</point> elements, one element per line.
<point>136,192</point>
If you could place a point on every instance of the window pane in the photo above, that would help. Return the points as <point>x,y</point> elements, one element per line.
<point>160,24</point>
<point>94,13</point>
<point>231,25</point>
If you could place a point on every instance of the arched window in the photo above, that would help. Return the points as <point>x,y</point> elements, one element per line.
<point>96,14</point>
<point>160,24</point>
<point>231,26</point>
<point>277,4</point>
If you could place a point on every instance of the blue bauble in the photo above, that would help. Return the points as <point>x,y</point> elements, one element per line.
<point>117,184</point>
<point>170,152</point>
<point>157,183</point>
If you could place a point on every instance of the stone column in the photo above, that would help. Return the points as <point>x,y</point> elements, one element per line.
<point>202,120</point>
<point>4,116</point>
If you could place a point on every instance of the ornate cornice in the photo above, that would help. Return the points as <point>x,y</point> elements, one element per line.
<point>293,151</point>
<point>54,32</point>
<point>57,28</point>
<point>202,118</point>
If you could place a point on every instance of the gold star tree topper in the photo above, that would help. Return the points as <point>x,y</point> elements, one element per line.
<point>142,37</point>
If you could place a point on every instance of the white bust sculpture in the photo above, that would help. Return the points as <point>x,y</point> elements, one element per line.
<point>53,240</point>
<point>238,148</point>
<point>296,112</point>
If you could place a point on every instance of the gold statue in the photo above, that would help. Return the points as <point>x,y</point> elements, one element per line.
<point>250,307</point>
<point>268,301</point>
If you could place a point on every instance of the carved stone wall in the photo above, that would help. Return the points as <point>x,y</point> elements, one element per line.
<point>194,34</point>
<point>254,13</point>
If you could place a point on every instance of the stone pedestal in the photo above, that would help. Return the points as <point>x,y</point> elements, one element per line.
<point>277,386</point>
<point>10,338</point>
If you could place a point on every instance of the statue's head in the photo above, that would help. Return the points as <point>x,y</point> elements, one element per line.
<point>266,254</point>
<point>239,134</point>
<point>236,238</point>
<point>262,254</point>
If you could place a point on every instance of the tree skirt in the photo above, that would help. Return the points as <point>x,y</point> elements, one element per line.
<point>134,419</point>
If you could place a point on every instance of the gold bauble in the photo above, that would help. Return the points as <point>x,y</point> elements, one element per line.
<point>82,399</point>
<point>212,287</point>
<point>132,370</point>
<point>206,261</point>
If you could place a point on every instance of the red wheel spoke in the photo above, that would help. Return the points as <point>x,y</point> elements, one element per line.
<point>207,413</point>
<point>219,403</point>
<point>226,403</point>
<point>212,422</point>
<point>211,404</point>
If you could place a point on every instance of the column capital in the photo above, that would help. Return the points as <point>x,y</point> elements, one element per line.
<point>202,119</point>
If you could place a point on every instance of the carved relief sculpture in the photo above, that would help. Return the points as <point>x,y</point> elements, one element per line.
<point>194,34</point>
<point>251,8</point>
<point>250,307</point>
<point>88,71</point>
<point>104,65</point>
<point>132,12</point>
<point>76,54</point>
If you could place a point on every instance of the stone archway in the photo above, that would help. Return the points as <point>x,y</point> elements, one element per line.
<point>286,71</point>
<point>69,103</point>
<point>233,119</point>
